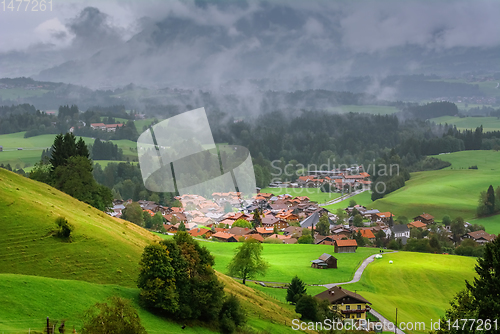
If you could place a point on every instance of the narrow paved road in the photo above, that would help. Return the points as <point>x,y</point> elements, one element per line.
<point>359,272</point>
<point>341,198</point>
<point>389,325</point>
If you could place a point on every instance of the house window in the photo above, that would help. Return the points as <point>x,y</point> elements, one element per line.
<point>359,307</point>
<point>348,307</point>
<point>358,315</point>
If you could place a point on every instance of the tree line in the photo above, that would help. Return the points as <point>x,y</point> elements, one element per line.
<point>69,169</point>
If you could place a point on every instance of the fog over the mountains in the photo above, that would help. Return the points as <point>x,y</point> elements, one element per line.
<point>285,44</point>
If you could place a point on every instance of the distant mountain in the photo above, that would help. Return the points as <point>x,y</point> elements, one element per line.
<point>295,48</point>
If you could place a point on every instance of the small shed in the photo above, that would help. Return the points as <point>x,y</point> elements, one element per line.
<point>324,261</point>
<point>345,246</point>
<point>1,148</point>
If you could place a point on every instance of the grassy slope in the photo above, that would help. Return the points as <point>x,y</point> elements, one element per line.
<point>33,147</point>
<point>362,199</point>
<point>286,261</point>
<point>314,194</point>
<point>488,123</point>
<point>419,285</point>
<point>104,249</point>
<point>31,299</point>
<point>453,191</point>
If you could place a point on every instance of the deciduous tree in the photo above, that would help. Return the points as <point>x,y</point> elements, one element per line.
<point>248,261</point>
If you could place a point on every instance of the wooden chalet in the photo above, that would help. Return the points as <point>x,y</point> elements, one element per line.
<point>325,261</point>
<point>425,218</point>
<point>345,246</point>
<point>226,237</point>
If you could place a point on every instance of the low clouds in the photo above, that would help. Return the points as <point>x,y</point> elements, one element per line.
<point>297,44</point>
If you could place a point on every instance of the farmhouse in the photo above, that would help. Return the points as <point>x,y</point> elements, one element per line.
<point>351,305</point>
<point>481,237</point>
<point>400,232</point>
<point>200,232</point>
<point>345,246</point>
<point>324,261</point>
<point>222,236</point>
<point>425,218</point>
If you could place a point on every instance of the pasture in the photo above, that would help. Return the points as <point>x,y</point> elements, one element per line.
<point>286,261</point>
<point>467,123</point>
<point>314,194</point>
<point>419,285</point>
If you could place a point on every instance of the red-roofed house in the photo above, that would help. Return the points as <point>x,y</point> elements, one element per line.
<point>226,237</point>
<point>417,224</point>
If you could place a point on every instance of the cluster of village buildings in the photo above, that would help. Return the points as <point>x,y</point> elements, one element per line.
<point>281,217</point>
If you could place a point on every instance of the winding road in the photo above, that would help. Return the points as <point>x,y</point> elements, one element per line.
<point>356,278</point>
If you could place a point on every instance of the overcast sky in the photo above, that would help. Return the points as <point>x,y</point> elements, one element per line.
<point>312,29</point>
<point>366,25</point>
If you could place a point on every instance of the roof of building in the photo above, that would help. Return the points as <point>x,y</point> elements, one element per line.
<point>337,294</point>
<point>481,234</point>
<point>346,243</point>
<point>417,224</point>
<point>425,216</point>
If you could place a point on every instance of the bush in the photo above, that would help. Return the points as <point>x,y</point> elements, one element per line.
<point>117,315</point>
<point>231,315</point>
<point>65,228</point>
<point>307,308</point>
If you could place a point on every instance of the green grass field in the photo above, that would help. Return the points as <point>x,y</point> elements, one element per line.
<point>484,160</point>
<point>282,268</point>
<point>15,93</point>
<point>32,148</point>
<point>31,299</point>
<point>362,199</point>
<point>46,276</point>
<point>363,109</point>
<point>453,191</point>
<point>314,194</point>
<point>104,249</point>
<point>419,285</point>
<point>488,123</point>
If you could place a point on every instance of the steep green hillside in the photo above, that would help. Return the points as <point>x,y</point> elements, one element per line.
<point>103,249</point>
<point>31,299</point>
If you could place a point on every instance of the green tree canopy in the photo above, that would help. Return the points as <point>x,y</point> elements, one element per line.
<point>248,261</point>
<point>242,223</point>
<point>296,289</point>
<point>323,226</point>
<point>133,213</point>
<point>115,316</point>
<point>479,299</point>
<point>177,280</point>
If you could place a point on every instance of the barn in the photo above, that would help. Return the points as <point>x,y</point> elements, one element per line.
<point>345,246</point>
<point>325,261</point>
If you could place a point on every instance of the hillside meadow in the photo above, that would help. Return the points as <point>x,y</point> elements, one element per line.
<point>32,148</point>
<point>103,249</point>
<point>452,191</point>
<point>42,275</point>
<point>286,261</point>
<point>467,123</point>
<point>419,285</point>
<point>314,194</point>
